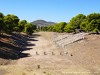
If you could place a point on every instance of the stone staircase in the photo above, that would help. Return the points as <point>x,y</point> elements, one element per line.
<point>64,40</point>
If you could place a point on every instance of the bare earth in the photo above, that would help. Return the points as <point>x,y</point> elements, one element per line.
<point>82,58</point>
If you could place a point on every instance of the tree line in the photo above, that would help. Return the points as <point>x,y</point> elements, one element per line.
<point>89,23</point>
<point>11,23</point>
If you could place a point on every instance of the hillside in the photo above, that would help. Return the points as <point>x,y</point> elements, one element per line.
<point>42,23</point>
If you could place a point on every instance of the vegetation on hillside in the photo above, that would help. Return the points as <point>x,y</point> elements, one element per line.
<point>89,23</point>
<point>11,23</point>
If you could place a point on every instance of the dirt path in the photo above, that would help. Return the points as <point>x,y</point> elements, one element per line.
<point>45,59</point>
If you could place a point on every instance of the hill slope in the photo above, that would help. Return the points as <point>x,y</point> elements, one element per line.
<point>42,23</point>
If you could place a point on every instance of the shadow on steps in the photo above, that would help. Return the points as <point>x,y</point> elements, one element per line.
<point>14,49</point>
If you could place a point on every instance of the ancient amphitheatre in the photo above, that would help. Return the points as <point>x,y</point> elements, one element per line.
<point>58,54</point>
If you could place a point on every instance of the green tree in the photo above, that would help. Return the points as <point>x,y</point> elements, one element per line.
<point>75,22</point>
<point>11,21</point>
<point>68,29</point>
<point>29,28</point>
<point>1,22</point>
<point>55,27</point>
<point>61,26</point>
<point>45,28</point>
<point>21,25</point>
<point>50,28</point>
<point>83,25</point>
<point>34,26</point>
<point>91,23</point>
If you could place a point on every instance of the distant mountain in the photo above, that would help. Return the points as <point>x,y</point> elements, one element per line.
<point>42,23</point>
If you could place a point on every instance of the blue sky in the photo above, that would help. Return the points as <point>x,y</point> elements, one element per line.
<point>50,10</point>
